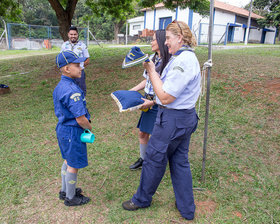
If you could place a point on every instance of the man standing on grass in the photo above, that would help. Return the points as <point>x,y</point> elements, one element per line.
<point>81,50</point>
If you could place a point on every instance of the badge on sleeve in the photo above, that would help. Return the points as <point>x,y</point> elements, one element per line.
<point>75,97</point>
<point>178,68</point>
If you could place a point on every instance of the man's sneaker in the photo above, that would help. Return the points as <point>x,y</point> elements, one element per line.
<point>76,201</point>
<point>62,194</point>
<point>130,206</point>
<point>137,164</point>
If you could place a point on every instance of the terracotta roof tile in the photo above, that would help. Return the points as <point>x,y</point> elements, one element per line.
<point>235,9</point>
<point>159,5</point>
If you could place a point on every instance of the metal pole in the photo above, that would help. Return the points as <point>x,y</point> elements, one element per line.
<point>248,23</point>
<point>126,27</point>
<point>210,40</point>
<point>88,34</point>
<point>6,34</point>
<point>94,38</point>
<point>9,36</point>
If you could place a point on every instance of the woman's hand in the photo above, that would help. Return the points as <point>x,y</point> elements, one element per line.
<point>147,103</point>
<point>149,66</point>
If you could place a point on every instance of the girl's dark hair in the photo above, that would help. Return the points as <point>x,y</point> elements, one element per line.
<point>165,56</point>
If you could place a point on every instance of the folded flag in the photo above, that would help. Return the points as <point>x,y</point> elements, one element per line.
<point>134,57</point>
<point>127,100</point>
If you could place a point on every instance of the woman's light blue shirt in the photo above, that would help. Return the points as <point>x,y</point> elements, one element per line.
<point>181,78</point>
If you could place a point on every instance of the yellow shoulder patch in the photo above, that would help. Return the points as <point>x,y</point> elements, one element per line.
<point>75,96</point>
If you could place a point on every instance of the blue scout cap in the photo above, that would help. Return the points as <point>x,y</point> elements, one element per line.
<point>67,57</point>
<point>134,57</point>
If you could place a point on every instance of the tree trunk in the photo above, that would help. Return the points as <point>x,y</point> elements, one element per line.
<point>279,33</point>
<point>64,25</point>
<point>64,16</point>
<point>117,27</point>
<point>116,32</point>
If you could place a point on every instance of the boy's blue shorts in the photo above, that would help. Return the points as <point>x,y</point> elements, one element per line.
<point>72,149</point>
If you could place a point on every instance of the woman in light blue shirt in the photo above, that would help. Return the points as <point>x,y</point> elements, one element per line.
<point>177,90</point>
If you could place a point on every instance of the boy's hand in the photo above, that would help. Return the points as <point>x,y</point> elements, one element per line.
<point>83,122</point>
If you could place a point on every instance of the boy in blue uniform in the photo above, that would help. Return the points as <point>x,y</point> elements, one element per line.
<point>73,118</point>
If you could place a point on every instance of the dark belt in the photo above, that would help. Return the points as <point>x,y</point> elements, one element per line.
<point>164,107</point>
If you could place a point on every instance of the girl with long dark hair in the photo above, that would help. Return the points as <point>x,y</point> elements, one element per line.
<point>148,115</point>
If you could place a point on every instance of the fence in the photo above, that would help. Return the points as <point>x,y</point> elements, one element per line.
<point>23,36</point>
<point>219,32</point>
<point>32,37</point>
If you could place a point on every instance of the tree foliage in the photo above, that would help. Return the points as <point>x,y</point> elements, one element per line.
<point>101,26</point>
<point>9,10</point>
<point>37,12</point>
<point>199,6</point>
<point>118,10</point>
<point>271,12</point>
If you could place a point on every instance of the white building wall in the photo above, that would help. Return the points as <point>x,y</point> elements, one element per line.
<point>224,18</point>
<point>270,36</point>
<point>238,34</point>
<point>183,15</point>
<point>161,13</point>
<point>219,33</point>
<point>132,28</point>
<point>149,19</point>
<point>197,19</point>
<point>255,36</point>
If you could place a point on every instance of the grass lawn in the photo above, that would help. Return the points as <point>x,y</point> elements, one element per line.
<point>242,167</point>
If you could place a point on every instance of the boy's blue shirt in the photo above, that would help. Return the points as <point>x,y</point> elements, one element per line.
<point>69,102</point>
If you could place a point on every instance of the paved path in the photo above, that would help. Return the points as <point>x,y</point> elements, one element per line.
<point>23,55</point>
<point>229,47</point>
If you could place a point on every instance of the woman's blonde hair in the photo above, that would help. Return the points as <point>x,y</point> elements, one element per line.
<point>179,27</point>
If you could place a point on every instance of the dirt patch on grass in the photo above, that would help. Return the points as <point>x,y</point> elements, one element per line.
<point>205,208</point>
<point>218,75</point>
<point>238,214</point>
<point>268,88</point>
<point>51,73</point>
<point>273,86</point>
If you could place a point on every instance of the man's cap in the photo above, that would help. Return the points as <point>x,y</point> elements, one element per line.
<point>134,57</point>
<point>67,57</point>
